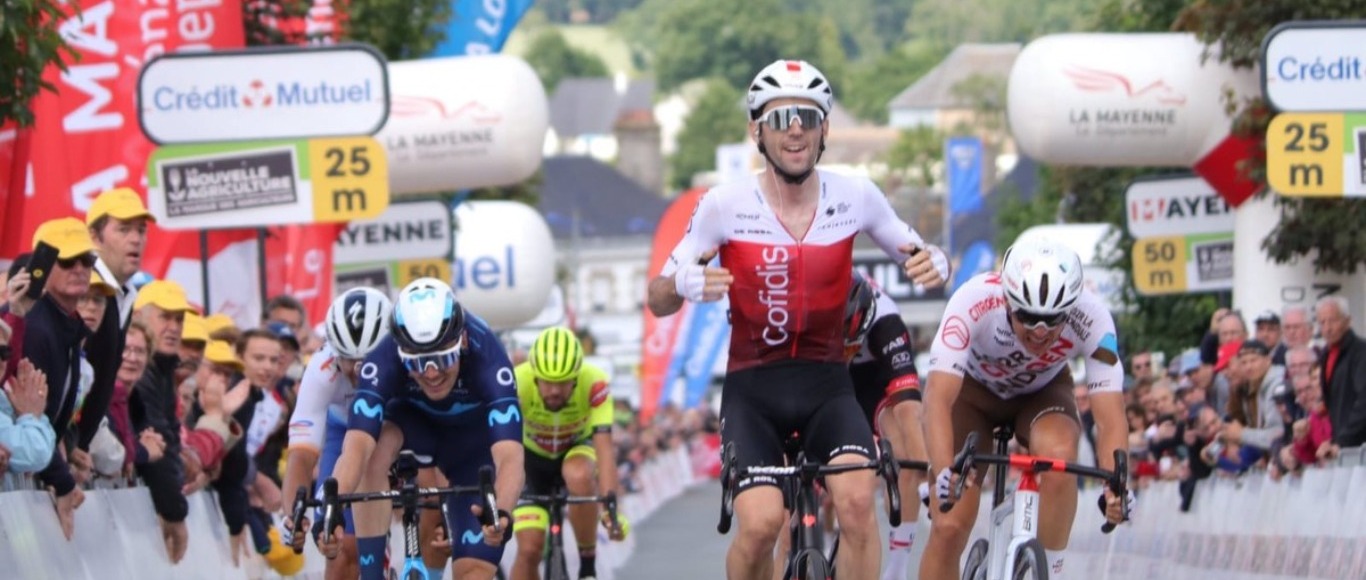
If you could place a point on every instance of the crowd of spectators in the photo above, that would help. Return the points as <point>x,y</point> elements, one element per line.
<point>110,384</point>
<point>1276,400</point>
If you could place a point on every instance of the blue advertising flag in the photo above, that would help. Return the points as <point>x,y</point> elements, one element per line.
<point>480,26</point>
<point>964,169</point>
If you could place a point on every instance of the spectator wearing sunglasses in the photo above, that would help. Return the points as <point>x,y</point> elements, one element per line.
<point>53,332</point>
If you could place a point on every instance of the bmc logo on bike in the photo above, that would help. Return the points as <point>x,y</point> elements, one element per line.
<point>1028,511</point>
<point>470,538</point>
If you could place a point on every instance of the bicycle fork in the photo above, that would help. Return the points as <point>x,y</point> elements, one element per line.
<point>1023,528</point>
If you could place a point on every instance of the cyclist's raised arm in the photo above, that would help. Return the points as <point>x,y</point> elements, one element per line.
<point>891,234</point>
<point>1104,380</point>
<point>705,233</point>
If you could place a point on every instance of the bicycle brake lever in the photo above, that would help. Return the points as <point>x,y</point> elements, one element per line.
<point>1119,485</point>
<point>296,525</point>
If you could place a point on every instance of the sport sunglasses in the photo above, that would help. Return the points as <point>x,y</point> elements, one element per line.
<point>440,361</point>
<point>780,118</point>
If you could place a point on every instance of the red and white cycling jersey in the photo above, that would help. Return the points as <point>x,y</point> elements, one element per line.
<point>788,297</point>
<point>975,338</point>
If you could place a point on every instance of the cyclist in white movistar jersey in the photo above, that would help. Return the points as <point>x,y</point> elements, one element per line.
<point>356,321</point>
<point>1001,357</point>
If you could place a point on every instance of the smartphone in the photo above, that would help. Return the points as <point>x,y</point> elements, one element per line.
<point>39,268</point>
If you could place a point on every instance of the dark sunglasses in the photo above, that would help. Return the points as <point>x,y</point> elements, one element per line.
<point>1031,320</point>
<point>781,118</point>
<point>87,260</point>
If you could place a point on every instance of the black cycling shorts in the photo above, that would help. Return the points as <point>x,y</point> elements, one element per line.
<point>762,406</point>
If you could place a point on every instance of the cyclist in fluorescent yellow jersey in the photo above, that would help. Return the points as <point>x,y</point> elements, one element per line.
<point>567,432</point>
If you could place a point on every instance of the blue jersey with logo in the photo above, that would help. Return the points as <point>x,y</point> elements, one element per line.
<point>485,393</point>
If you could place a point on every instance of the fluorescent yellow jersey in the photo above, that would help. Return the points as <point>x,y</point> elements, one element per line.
<point>553,433</point>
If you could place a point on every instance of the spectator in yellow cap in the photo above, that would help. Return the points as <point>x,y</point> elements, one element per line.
<point>222,327</point>
<point>118,226</point>
<point>53,332</point>
<point>161,305</point>
<point>193,337</point>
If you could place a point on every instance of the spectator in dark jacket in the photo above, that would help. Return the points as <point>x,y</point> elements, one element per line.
<point>53,331</point>
<point>1344,371</point>
<point>161,305</point>
<point>117,224</point>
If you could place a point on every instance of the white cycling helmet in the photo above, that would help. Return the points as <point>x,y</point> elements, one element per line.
<point>789,79</point>
<point>356,321</point>
<point>426,317</point>
<point>1041,277</point>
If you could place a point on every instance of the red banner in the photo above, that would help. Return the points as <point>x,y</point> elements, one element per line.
<point>86,137</point>
<point>299,263</point>
<point>660,334</point>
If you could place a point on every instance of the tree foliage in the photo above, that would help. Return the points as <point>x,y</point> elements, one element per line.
<point>401,29</point>
<point>554,59</point>
<point>29,42</point>
<point>1328,230</point>
<point>717,118</point>
<point>731,41</point>
<point>872,83</point>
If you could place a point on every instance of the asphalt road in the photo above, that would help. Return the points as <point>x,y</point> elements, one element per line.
<point>679,542</point>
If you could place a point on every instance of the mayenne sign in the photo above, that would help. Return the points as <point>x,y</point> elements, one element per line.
<point>275,93</point>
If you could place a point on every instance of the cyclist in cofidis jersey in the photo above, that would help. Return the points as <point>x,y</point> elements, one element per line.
<point>567,433</point>
<point>440,385</point>
<point>1001,357</point>
<point>356,321</point>
<point>785,239</point>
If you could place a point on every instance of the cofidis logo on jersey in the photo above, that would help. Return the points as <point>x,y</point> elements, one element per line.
<point>284,92</point>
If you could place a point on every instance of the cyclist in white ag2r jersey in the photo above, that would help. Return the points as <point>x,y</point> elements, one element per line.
<point>1001,358</point>
<point>355,323</point>
<point>785,238</point>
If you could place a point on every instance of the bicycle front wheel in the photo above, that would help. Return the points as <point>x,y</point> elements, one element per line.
<point>555,566</point>
<point>1030,562</point>
<point>975,568</point>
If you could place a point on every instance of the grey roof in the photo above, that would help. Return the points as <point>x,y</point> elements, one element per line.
<point>935,89</point>
<point>591,106</point>
<point>608,203</point>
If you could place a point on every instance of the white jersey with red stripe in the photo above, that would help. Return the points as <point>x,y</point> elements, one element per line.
<point>788,297</point>
<point>975,338</point>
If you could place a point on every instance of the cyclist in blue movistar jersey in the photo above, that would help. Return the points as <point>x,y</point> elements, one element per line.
<point>442,386</point>
<point>355,323</point>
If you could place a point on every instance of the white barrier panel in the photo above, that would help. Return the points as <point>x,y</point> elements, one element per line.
<point>117,537</point>
<point>1246,529</point>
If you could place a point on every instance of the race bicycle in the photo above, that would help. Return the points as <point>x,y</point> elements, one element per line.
<point>806,560</point>
<point>556,567</point>
<point>406,496</point>
<point>1014,550</point>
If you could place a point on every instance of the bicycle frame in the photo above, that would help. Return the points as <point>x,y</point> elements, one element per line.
<point>1024,522</point>
<point>555,504</point>
<point>806,539</point>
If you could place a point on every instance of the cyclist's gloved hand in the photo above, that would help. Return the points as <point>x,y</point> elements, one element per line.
<point>690,281</point>
<point>1109,506</point>
<point>618,532</point>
